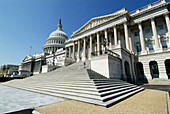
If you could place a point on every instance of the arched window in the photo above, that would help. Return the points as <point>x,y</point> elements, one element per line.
<point>140,71</point>
<point>154,69</point>
<point>127,71</point>
<point>138,47</point>
<point>164,44</point>
<point>150,46</point>
<point>167,66</point>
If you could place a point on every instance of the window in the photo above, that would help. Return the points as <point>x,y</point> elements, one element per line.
<point>81,49</point>
<point>164,44</point>
<point>160,27</point>
<point>136,33</point>
<point>138,48</point>
<point>150,45</point>
<point>148,30</point>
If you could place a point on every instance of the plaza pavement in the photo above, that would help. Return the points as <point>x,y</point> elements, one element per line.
<point>12,99</point>
<point>145,102</point>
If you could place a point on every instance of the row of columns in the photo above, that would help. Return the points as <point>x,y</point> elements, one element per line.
<point>50,49</point>
<point>155,34</point>
<point>128,43</point>
<point>108,38</point>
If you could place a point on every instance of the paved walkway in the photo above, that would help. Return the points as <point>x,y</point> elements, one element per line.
<point>145,102</point>
<point>12,99</point>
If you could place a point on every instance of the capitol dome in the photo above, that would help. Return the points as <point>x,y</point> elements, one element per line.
<point>56,40</point>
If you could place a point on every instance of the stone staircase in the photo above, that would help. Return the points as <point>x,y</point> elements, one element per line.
<point>78,83</point>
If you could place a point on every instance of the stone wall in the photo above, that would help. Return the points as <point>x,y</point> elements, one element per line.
<point>107,65</point>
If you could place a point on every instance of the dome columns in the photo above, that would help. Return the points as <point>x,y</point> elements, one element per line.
<point>56,40</point>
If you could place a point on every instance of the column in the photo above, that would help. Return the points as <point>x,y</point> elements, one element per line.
<point>91,46</point>
<point>70,52</point>
<point>65,52</point>
<point>73,50</point>
<point>105,34</point>
<point>115,35</point>
<point>162,70</point>
<point>78,51</point>
<point>98,44</point>
<point>126,36</point>
<point>168,27</point>
<point>84,49</point>
<point>110,40</point>
<point>142,40</point>
<point>130,42</point>
<point>102,47</point>
<point>155,35</point>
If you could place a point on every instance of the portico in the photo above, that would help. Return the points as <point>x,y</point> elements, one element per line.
<point>92,40</point>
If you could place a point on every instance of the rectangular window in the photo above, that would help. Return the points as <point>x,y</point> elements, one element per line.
<point>164,44</point>
<point>150,45</point>
<point>136,33</point>
<point>139,48</point>
<point>160,27</point>
<point>148,30</point>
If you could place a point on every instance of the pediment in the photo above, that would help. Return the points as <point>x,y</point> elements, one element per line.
<point>99,20</point>
<point>27,58</point>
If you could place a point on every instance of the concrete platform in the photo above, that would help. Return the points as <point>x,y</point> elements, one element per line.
<point>12,99</point>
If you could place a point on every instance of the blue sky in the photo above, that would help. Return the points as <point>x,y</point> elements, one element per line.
<point>25,23</point>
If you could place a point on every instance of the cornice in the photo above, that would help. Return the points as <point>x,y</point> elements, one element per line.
<point>150,9</point>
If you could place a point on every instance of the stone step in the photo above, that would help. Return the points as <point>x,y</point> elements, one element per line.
<point>79,91</point>
<point>83,90</point>
<point>89,96</point>
<point>100,86</point>
<point>115,100</point>
<point>92,101</point>
<point>64,81</point>
<point>96,99</point>
<point>112,96</point>
<point>115,90</point>
<point>73,83</point>
<point>112,88</point>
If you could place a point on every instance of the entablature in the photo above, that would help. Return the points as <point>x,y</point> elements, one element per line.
<point>98,21</point>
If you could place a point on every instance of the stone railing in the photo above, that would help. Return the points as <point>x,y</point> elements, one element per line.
<point>147,7</point>
<point>109,52</point>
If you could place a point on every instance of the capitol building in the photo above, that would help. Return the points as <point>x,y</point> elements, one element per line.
<point>132,46</point>
<point>53,55</point>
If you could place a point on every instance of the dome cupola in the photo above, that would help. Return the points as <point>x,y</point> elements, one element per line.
<point>56,40</point>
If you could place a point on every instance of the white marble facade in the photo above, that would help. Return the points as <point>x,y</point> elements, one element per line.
<point>140,38</point>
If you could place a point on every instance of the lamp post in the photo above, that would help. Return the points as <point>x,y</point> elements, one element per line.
<point>53,57</point>
<point>104,43</point>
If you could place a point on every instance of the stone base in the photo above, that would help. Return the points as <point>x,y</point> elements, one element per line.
<point>107,65</point>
